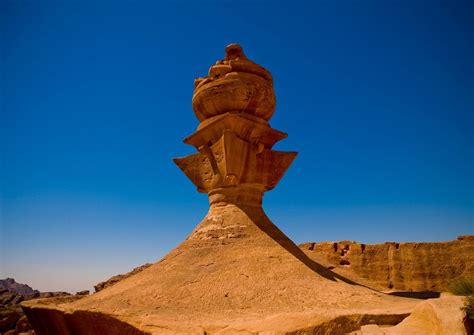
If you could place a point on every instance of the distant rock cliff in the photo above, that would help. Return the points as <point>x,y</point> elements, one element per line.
<point>115,279</point>
<point>410,266</point>
<point>11,285</point>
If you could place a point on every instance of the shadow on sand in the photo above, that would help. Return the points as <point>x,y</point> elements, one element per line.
<point>259,217</point>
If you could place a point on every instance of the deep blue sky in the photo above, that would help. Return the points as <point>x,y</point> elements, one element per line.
<point>376,96</point>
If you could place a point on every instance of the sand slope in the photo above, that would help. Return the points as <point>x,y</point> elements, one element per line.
<point>237,272</point>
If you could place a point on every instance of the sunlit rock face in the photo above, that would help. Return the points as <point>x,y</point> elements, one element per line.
<point>406,266</point>
<point>236,273</point>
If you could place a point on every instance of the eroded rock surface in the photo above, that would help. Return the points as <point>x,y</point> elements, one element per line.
<point>398,266</point>
<point>420,272</point>
<point>236,271</point>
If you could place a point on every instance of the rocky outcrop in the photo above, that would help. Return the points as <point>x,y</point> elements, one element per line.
<point>51,295</point>
<point>12,318</point>
<point>115,279</point>
<point>398,266</point>
<point>11,285</point>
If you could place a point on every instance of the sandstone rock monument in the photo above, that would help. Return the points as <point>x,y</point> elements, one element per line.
<point>236,273</point>
<point>235,163</point>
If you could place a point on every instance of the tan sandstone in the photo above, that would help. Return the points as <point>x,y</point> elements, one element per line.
<point>431,317</point>
<point>413,266</point>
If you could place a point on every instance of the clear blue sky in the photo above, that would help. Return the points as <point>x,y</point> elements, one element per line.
<point>376,96</point>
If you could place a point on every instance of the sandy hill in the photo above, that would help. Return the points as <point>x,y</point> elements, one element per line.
<point>235,272</point>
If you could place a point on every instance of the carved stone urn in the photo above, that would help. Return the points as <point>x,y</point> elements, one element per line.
<point>235,161</point>
<point>236,85</point>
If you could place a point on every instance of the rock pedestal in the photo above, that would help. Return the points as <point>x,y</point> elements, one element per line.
<point>235,162</point>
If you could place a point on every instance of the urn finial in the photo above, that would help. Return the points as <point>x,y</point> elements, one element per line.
<point>234,51</point>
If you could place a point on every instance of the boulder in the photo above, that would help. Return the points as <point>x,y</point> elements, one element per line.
<point>442,316</point>
<point>23,325</point>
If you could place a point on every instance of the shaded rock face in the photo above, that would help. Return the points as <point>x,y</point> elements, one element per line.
<point>398,266</point>
<point>11,315</point>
